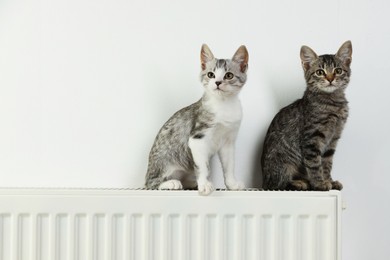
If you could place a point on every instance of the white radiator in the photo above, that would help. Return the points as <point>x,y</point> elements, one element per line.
<point>67,224</point>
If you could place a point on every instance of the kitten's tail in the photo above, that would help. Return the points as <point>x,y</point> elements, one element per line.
<point>152,180</point>
<point>275,179</point>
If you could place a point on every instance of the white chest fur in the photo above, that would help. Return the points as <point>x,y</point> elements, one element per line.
<point>227,118</point>
<point>227,111</point>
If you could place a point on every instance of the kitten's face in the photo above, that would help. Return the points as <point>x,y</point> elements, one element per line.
<point>223,77</point>
<point>327,73</point>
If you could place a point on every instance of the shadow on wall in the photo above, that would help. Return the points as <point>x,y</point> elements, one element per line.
<point>257,178</point>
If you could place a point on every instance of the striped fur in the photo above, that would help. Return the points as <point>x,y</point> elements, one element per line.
<point>301,140</point>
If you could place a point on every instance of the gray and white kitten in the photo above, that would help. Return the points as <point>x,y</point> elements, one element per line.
<point>180,156</point>
<point>301,140</point>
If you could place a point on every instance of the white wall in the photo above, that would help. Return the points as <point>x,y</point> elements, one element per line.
<point>86,85</point>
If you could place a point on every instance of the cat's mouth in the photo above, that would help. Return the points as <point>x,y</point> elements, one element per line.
<point>329,88</point>
<point>330,85</point>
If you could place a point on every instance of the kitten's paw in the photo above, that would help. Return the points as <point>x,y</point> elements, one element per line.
<point>336,185</point>
<point>235,185</point>
<point>171,185</point>
<point>205,188</point>
<point>298,185</point>
<point>322,186</point>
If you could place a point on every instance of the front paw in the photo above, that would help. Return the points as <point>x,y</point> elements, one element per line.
<point>205,188</point>
<point>336,185</point>
<point>235,185</point>
<point>321,185</point>
<point>171,185</point>
<point>298,185</point>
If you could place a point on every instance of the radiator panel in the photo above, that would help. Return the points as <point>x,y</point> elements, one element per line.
<point>64,224</point>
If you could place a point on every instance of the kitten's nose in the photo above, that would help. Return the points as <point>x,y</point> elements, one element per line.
<point>330,77</point>
<point>218,83</point>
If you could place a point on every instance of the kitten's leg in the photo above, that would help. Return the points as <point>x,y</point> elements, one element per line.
<point>199,149</point>
<point>327,162</point>
<point>226,156</point>
<point>278,176</point>
<point>171,178</point>
<point>313,163</point>
<point>297,181</point>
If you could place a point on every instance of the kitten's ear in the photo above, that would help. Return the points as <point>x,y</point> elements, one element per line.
<point>241,56</point>
<point>205,56</point>
<point>345,53</point>
<point>307,57</point>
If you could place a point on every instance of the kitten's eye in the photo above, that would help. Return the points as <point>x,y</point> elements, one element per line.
<point>320,72</point>
<point>210,75</point>
<point>228,75</point>
<point>338,71</point>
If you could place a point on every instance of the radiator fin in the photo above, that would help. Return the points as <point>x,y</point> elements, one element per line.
<point>5,236</point>
<point>248,245</point>
<point>285,237</point>
<point>42,237</point>
<point>82,238</point>
<point>137,237</point>
<point>192,236</point>
<point>99,237</point>
<point>118,237</point>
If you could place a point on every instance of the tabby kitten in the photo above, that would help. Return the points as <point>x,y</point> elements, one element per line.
<point>301,140</point>
<point>179,158</point>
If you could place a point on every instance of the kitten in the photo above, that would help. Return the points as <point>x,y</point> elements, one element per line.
<point>179,158</point>
<point>301,140</point>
